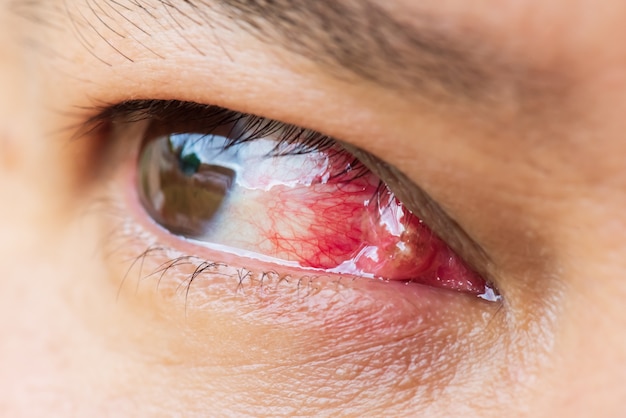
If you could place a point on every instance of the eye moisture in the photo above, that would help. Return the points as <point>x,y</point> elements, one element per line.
<point>314,207</point>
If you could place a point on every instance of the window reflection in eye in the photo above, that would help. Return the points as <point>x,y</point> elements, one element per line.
<point>266,190</point>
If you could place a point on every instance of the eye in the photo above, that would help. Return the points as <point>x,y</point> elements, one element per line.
<point>262,189</point>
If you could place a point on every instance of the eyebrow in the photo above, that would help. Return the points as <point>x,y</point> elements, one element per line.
<point>368,41</point>
<point>417,52</point>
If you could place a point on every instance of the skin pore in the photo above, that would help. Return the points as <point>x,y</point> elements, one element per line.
<point>503,124</point>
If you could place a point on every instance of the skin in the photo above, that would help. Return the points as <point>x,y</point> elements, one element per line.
<point>533,173</point>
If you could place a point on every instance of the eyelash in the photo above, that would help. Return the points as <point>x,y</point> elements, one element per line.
<point>169,115</point>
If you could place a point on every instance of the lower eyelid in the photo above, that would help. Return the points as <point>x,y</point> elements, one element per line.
<point>403,333</point>
<point>400,339</point>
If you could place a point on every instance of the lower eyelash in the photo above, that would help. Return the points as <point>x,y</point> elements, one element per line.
<point>179,272</point>
<point>146,258</point>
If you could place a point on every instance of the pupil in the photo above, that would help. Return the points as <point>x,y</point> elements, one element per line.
<point>182,192</point>
<point>189,164</point>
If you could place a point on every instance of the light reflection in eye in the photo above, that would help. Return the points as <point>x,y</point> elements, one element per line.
<point>310,206</point>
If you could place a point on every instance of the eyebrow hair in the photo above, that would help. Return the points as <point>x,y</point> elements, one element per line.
<point>370,42</point>
<point>423,55</point>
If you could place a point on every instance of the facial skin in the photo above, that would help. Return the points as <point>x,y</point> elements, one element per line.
<point>509,115</point>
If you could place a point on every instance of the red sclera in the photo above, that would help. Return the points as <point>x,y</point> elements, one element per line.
<point>345,221</point>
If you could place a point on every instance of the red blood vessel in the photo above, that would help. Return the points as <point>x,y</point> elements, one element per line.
<point>326,214</point>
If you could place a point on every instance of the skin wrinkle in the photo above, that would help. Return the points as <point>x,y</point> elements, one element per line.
<point>576,361</point>
<point>431,354</point>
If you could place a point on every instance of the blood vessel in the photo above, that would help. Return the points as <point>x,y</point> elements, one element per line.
<point>326,215</point>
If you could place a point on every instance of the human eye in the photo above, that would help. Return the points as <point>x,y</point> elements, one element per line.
<point>210,236</point>
<point>272,197</point>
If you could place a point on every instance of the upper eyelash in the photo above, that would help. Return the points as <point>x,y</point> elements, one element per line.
<point>208,117</point>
